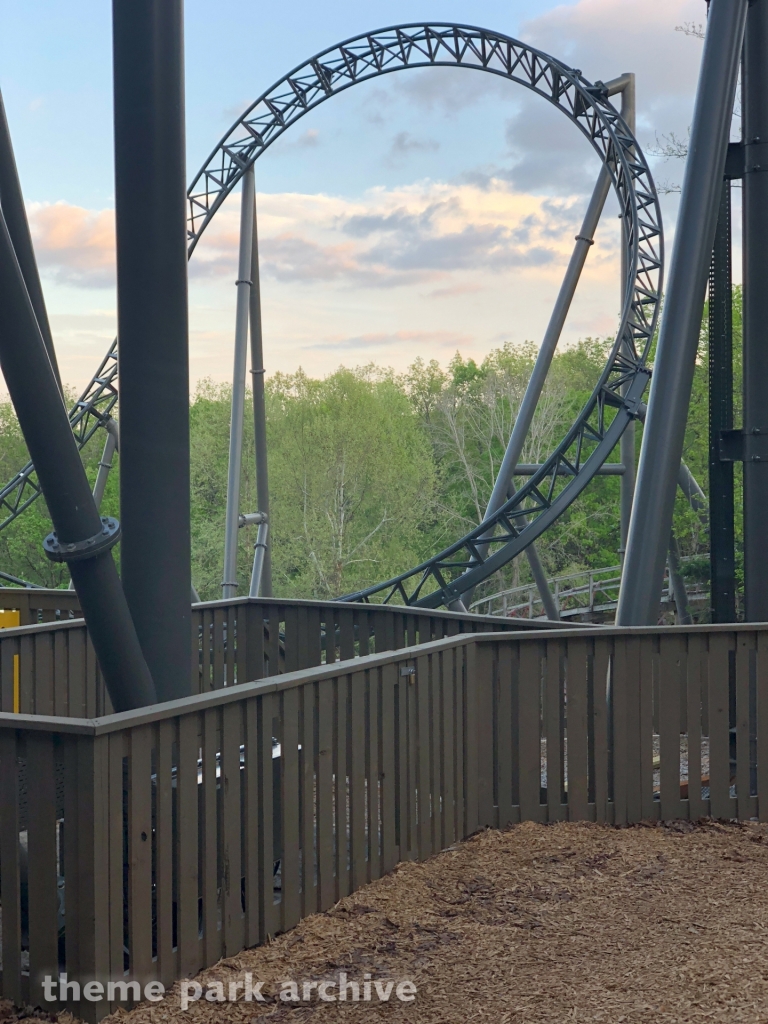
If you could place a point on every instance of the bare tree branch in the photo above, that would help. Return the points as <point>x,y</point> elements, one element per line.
<point>691,28</point>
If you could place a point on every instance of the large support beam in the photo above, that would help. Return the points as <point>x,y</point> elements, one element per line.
<point>12,200</point>
<point>721,504</point>
<point>81,538</point>
<point>150,194</point>
<point>504,487</point>
<point>229,584</point>
<point>664,433</point>
<point>627,443</point>
<point>755,363</point>
<point>259,405</point>
<point>677,583</point>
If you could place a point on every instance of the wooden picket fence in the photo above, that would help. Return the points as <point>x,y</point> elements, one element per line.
<point>160,840</point>
<point>50,668</point>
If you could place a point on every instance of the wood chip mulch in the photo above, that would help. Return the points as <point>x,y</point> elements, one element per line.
<point>538,923</point>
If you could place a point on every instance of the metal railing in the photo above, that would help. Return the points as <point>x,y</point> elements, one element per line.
<point>591,592</point>
<point>162,839</point>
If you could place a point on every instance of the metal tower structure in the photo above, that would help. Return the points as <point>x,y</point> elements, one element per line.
<point>516,523</point>
<point>150,180</point>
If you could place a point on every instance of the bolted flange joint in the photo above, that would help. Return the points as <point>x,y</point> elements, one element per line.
<point>79,550</point>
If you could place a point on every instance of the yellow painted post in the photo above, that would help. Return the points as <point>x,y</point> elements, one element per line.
<point>12,617</point>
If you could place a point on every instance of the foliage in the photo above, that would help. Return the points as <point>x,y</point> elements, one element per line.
<point>371,472</point>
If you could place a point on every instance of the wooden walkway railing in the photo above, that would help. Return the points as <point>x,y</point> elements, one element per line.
<point>181,833</point>
<point>51,668</point>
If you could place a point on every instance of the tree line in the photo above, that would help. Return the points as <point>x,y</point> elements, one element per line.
<point>372,471</point>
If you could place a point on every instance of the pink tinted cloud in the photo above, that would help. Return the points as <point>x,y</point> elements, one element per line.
<point>74,245</point>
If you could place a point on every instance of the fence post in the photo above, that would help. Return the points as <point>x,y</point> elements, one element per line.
<point>480,731</point>
<point>88,899</point>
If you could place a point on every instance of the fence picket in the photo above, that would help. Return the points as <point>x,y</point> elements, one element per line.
<point>617,747</point>
<point>504,733</point>
<point>209,837</point>
<point>554,729</point>
<point>761,673</point>
<point>448,766</point>
<point>648,680</point>
<point>309,819</point>
<point>325,803</point>
<point>719,739</point>
<point>10,884</point>
<point>576,730</point>
<point>251,830</point>
<point>269,910</point>
<point>529,732</point>
<point>140,854</point>
<point>165,738</point>
<point>744,656</point>
<point>341,774</point>
<point>671,674</point>
<point>42,863</point>
<point>290,907</point>
<point>600,669</point>
<point>390,853</point>
<point>425,791</point>
<point>374,771</point>
<point>229,641</point>
<point>357,780</point>
<point>696,806</point>
<point>187,798</point>
<point>232,917</point>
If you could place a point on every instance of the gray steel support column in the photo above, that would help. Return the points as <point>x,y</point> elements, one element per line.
<point>150,202</point>
<point>105,465</point>
<point>229,584</point>
<point>627,443</point>
<point>259,404</point>
<point>538,378</point>
<point>43,419</point>
<point>696,498</point>
<point>15,214</point>
<point>677,584</point>
<point>755,323</point>
<point>260,549</point>
<point>687,482</point>
<point>722,547</point>
<point>504,487</point>
<point>664,433</point>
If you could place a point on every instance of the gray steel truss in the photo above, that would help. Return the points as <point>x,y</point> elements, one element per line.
<point>619,390</point>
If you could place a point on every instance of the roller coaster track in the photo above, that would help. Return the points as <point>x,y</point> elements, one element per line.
<point>619,390</point>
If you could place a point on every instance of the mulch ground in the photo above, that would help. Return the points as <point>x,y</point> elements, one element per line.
<point>538,923</point>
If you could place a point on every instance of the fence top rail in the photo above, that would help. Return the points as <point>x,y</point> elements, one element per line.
<point>41,627</point>
<point>227,695</point>
<point>274,684</point>
<point>512,625</point>
<point>432,613</point>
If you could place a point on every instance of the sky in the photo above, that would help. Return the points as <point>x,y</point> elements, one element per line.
<point>424,213</point>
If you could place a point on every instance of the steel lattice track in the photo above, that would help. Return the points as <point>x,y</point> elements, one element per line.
<point>619,390</point>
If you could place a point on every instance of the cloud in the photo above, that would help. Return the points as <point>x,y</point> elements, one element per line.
<point>388,238</point>
<point>605,38</point>
<point>454,291</point>
<point>397,339</point>
<point>450,90</point>
<point>308,139</point>
<point>550,155</point>
<point>392,238</point>
<point>404,143</point>
<point>74,245</point>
